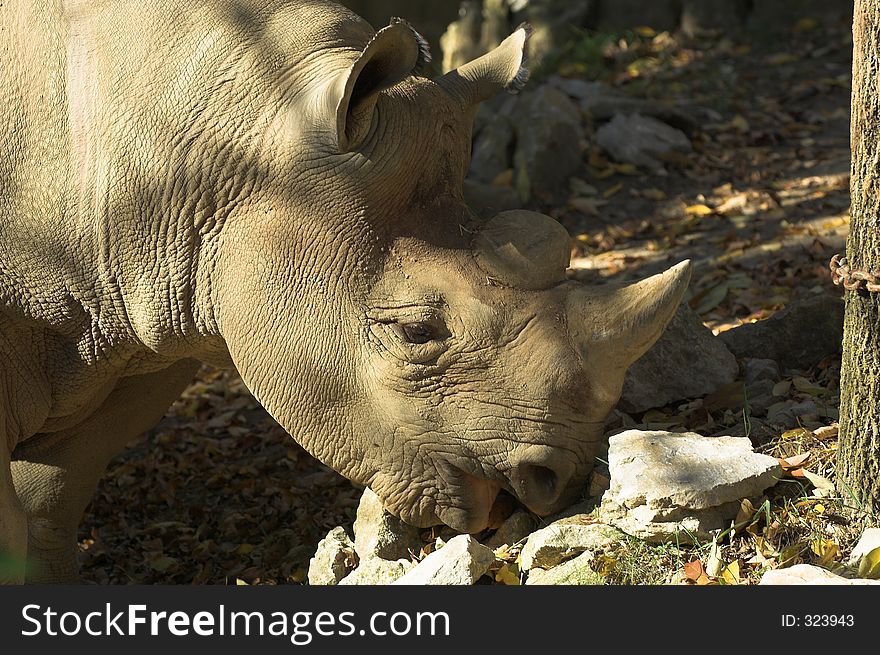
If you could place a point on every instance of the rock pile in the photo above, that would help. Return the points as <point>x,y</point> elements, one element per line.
<point>663,486</point>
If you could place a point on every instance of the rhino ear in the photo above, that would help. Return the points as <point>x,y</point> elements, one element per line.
<point>392,55</point>
<point>504,68</point>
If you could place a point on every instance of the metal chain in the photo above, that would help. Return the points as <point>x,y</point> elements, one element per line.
<point>841,273</point>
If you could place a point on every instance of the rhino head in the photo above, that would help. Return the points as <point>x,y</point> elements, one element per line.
<point>433,356</point>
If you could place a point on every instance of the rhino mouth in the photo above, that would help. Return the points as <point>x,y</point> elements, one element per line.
<point>468,502</point>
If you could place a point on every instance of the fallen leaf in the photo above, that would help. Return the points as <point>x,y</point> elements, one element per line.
<point>508,574</point>
<point>744,515</point>
<point>822,484</point>
<point>709,300</point>
<point>805,386</point>
<point>739,123</point>
<point>693,570</point>
<point>714,565</point>
<point>869,566</point>
<point>826,549</point>
<point>730,574</point>
<point>793,462</point>
<point>790,555</point>
<point>826,432</point>
<point>782,388</point>
<point>610,191</point>
<point>699,210</point>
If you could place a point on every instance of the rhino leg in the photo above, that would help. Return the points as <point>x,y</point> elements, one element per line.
<point>13,525</point>
<point>55,475</point>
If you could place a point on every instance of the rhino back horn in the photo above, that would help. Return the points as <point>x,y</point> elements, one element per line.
<point>617,325</point>
<point>503,68</point>
<point>523,249</point>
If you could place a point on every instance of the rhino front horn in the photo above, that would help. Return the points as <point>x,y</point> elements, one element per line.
<point>614,326</point>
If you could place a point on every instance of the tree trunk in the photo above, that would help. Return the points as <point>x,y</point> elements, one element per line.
<point>858,459</point>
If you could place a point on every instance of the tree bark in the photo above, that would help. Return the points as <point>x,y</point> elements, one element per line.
<point>858,458</point>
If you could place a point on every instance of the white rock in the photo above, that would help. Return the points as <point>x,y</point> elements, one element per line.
<point>378,571</point>
<point>576,571</point>
<point>562,540</point>
<point>665,485</point>
<point>640,140</point>
<point>378,533</point>
<point>808,574</point>
<point>334,559</point>
<point>869,540</point>
<point>460,562</point>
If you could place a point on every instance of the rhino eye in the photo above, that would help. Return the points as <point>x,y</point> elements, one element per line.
<point>415,332</point>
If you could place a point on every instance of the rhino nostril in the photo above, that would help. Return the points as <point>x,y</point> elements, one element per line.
<point>539,484</point>
<point>545,479</point>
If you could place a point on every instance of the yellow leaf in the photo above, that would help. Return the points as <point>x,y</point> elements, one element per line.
<point>610,191</point>
<point>241,583</point>
<point>730,575</point>
<point>654,194</point>
<point>699,210</point>
<point>645,31</point>
<point>782,389</point>
<point>739,123</point>
<point>806,25</point>
<point>805,386</point>
<point>508,574</point>
<point>826,549</point>
<point>781,58</point>
<point>608,564</point>
<point>869,566</point>
<point>790,555</point>
<point>819,508</point>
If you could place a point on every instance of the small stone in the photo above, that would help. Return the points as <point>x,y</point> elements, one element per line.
<point>755,369</point>
<point>602,103</point>
<point>789,414</point>
<point>869,540</point>
<point>667,485</point>
<point>461,561</point>
<point>687,361</point>
<point>548,130</point>
<point>563,540</point>
<point>576,571</point>
<point>641,140</point>
<point>378,533</point>
<point>377,571</point>
<point>808,574</point>
<point>759,397</point>
<point>515,528</point>
<point>334,559</point>
<point>798,337</point>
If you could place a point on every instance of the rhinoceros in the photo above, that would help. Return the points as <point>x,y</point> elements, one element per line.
<point>275,186</point>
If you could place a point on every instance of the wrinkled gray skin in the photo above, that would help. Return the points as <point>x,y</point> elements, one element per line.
<point>268,185</point>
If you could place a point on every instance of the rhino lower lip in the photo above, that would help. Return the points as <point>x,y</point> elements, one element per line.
<point>478,495</point>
